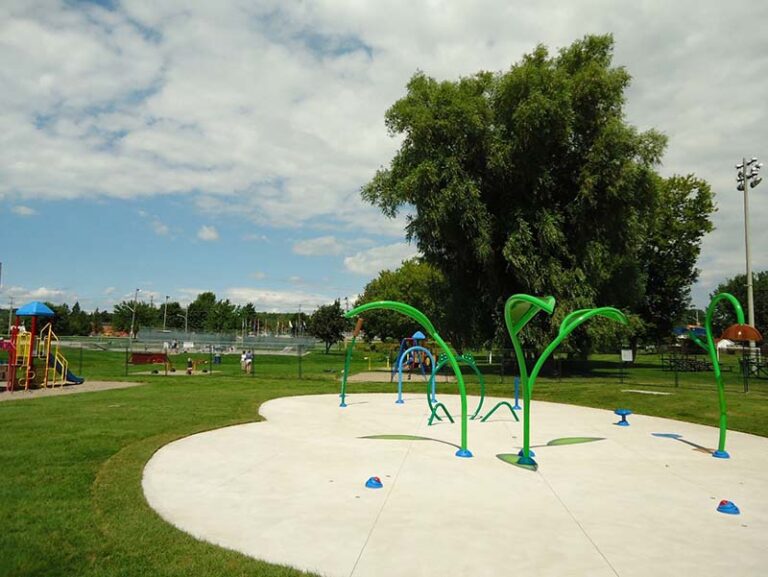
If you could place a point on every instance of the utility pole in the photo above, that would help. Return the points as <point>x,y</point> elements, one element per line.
<point>10,314</point>
<point>165,312</point>
<point>747,180</point>
<point>133,313</point>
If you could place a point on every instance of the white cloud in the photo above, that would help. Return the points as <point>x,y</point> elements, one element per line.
<point>208,233</point>
<point>274,111</point>
<point>160,228</point>
<point>255,237</point>
<point>320,246</point>
<point>21,295</point>
<point>22,210</point>
<point>277,300</point>
<point>370,262</point>
<point>258,275</point>
<point>109,290</point>
<point>48,294</point>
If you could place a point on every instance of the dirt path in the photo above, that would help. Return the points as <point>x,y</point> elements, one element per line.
<point>384,377</point>
<point>87,387</point>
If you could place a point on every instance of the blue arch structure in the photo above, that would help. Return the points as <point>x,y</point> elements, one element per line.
<point>406,345</point>
<point>401,362</point>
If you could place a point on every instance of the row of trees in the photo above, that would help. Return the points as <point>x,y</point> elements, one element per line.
<point>531,181</point>
<point>206,313</point>
<point>422,285</point>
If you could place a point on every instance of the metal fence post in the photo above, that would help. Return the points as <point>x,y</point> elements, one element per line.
<point>298,348</point>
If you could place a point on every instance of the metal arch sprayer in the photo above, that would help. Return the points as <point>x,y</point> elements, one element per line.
<point>518,311</point>
<point>422,319</point>
<point>712,350</point>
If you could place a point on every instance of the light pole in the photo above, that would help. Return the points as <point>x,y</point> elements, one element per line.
<point>185,316</point>
<point>133,312</point>
<point>165,312</point>
<point>747,177</point>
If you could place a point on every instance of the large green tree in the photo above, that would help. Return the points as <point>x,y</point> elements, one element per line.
<point>532,181</point>
<point>200,309</point>
<point>417,283</point>
<point>328,324</point>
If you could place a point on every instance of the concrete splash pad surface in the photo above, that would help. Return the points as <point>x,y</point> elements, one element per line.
<point>290,490</point>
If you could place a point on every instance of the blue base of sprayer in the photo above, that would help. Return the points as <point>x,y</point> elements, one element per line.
<point>521,453</point>
<point>526,461</point>
<point>342,405</point>
<point>465,453</point>
<point>721,455</point>
<point>623,414</point>
<point>728,507</point>
<point>374,483</point>
<point>399,401</point>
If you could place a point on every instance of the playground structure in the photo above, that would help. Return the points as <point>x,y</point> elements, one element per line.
<point>34,357</point>
<point>413,354</point>
<point>518,311</point>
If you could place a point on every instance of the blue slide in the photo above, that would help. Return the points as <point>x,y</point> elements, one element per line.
<point>71,377</point>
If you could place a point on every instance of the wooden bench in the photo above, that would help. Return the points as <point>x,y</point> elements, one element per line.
<point>149,358</point>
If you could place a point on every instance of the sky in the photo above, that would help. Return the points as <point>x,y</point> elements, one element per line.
<point>178,147</point>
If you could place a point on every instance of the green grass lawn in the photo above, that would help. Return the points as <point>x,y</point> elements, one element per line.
<point>71,501</point>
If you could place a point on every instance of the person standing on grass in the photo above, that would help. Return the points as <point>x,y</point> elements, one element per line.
<point>242,361</point>
<point>248,362</point>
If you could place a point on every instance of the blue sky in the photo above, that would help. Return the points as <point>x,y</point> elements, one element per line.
<point>178,147</point>
<point>95,252</point>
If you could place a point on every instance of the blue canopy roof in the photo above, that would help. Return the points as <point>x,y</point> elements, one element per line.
<point>418,336</point>
<point>685,331</point>
<point>34,309</point>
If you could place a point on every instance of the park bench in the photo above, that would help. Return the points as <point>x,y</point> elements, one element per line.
<point>151,358</point>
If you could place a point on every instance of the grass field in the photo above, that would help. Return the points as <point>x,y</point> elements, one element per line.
<point>70,467</point>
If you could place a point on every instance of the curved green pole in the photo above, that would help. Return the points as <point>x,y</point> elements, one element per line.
<point>422,319</point>
<point>469,361</point>
<point>518,311</point>
<point>347,360</point>
<point>721,453</point>
<point>433,384</point>
<point>515,319</point>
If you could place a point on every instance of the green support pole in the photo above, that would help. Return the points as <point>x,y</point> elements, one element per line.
<point>469,360</point>
<point>518,311</point>
<point>721,453</point>
<point>421,318</point>
<point>347,361</point>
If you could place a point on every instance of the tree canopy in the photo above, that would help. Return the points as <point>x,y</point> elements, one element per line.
<point>532,181</point>
<point>417,283</point>
<point>328,324</point>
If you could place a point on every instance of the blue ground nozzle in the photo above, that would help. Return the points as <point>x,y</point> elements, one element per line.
<point>374,483</point>
<point>728,507</point>
<point>721,454</point>
<point>465,453</point>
